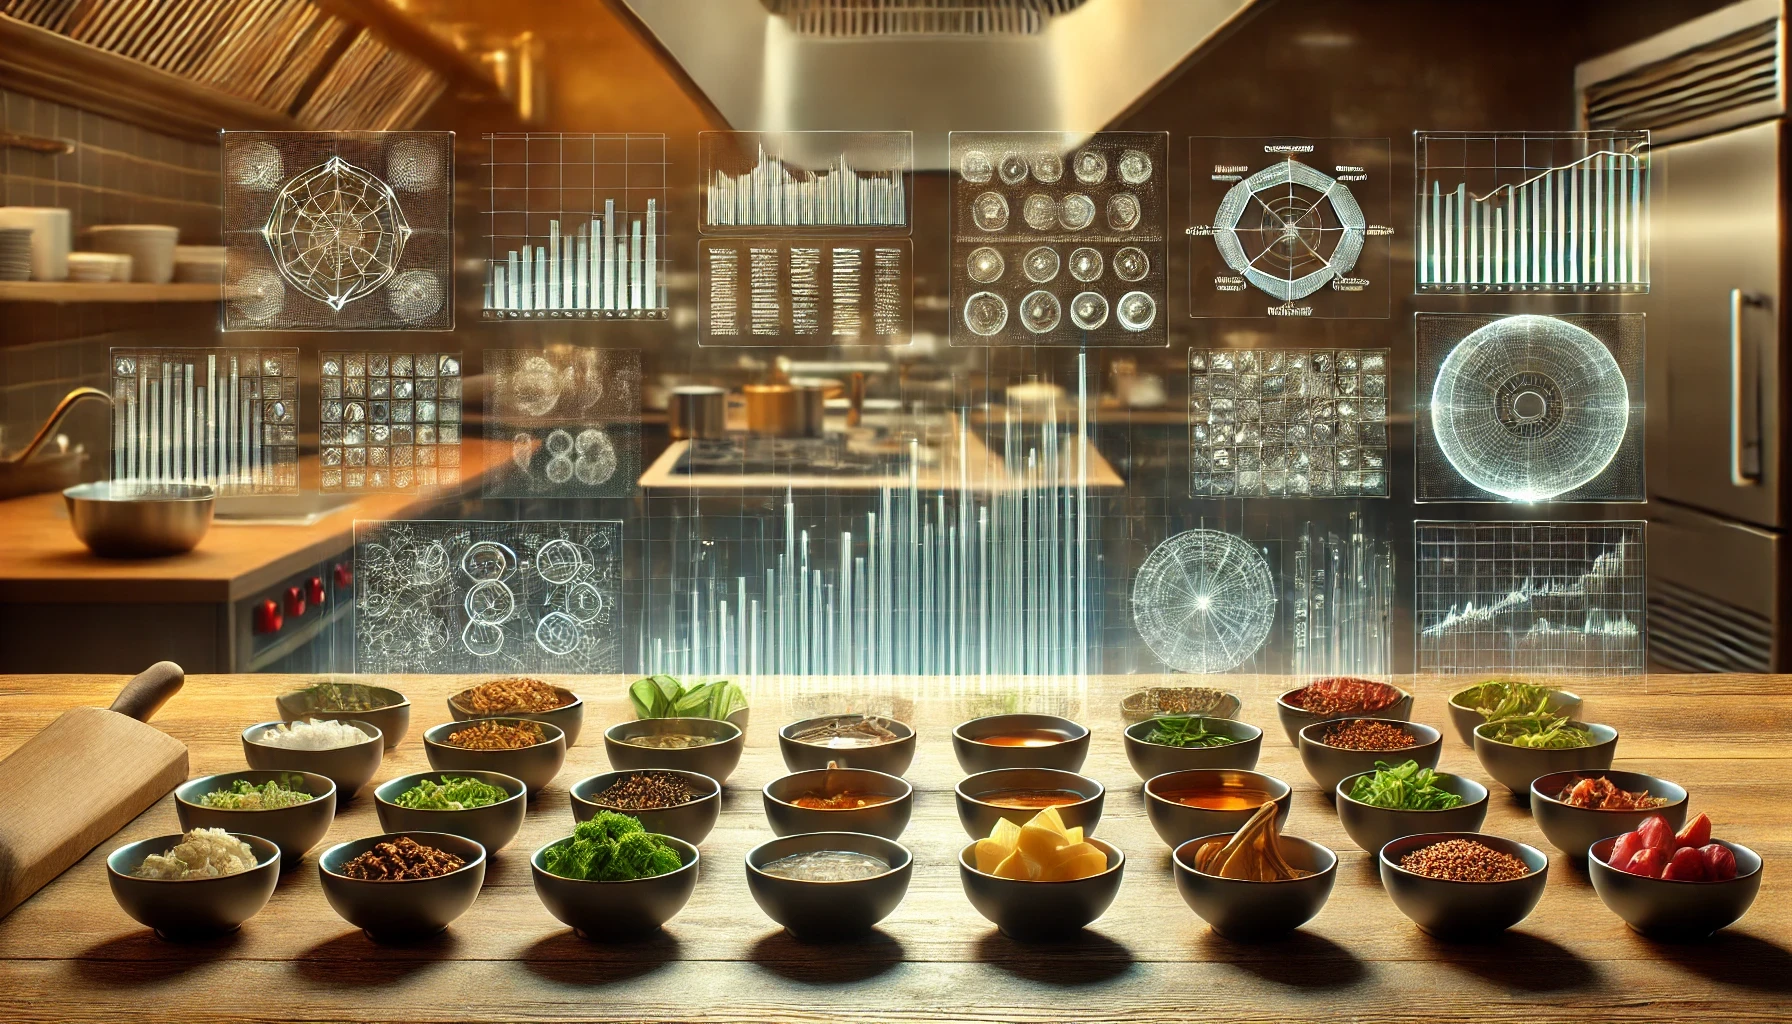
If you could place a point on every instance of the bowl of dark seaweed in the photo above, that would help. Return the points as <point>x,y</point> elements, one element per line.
<point>1497,697</point>
<point>350,765</point>
<point>1334,749</point>
<point>1017,794</point>
<point>1032,910</point>
<point>829,885</point>
<point>850,741</point>
<point>1172,743</point>
<point>665,801</point>
<point>1379,806</point>
<point>613,880</point>
<point>292,810</point>
<point>518,747</point>
<point>1020,741</point>
<point>1518,751</point>
<point>402,885</point>
<point>1577,809</point>
<point>707,746</point>
<point>1463,885</point>
<point>486,807</point>
<point>1672,909</point>
<point>839,800</point>
<point>381,707</point>
<point>193,907</point>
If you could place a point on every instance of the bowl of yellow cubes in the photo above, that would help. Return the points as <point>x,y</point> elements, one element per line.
<point>1041,880</point>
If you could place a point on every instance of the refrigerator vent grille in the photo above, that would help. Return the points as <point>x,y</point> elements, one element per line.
<point>1738,72</point>
<point>1690,632</point>
<point>851,19</point>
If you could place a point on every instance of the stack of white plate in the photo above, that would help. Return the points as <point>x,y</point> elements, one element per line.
<point>49,238</point>
<point>91,267</point>
<point>199,263</point>
<point>150,246</point>
<point>15,254</point>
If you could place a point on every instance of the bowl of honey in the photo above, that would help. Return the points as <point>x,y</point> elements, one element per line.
<point>1019,793</point>
<point>1020,741</point>
<point>1208,801</point>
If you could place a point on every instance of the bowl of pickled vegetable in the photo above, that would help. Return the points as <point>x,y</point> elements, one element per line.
<point>1172,743</point>
<point>1498,698</point>
<point>486,807</point>
<point>1522,748</point>
<point>1403,798</point>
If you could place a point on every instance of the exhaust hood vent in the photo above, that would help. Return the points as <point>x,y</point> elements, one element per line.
<point>1712,73</point>
<point>1689,632</point>
<point>852,19</point>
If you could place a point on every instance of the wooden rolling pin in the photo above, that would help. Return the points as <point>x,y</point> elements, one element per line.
<point>82,779</point>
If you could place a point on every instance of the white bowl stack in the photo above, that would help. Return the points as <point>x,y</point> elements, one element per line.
<point>150,247</point>
<point>202,264</point>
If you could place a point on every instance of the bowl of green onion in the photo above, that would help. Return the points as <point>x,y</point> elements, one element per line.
<point>1500,698</point>
<point>1172,743</point>
<point>1392,801</point>
<point>1522,748</point>
<point>292,810</point>
<point>486,807</point>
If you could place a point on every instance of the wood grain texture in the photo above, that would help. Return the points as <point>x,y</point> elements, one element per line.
<point>69,954</point>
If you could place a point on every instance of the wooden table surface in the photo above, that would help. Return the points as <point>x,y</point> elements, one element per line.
<point>69,954</point>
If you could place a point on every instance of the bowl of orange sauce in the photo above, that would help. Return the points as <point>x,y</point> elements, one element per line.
<point>1020,741</point>
<point>1208,801</point>
<point>1019,793</point>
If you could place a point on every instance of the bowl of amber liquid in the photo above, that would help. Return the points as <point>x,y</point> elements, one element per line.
<point>1019,793</point>
<point>1208,801</point>
<point>839,800</point>
<point>1020,741</point>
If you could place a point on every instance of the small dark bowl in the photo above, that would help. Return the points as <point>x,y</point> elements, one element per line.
<point>392,719</point>
<point>1517,767</point>
<point>1178,823</point>
<point>690,822</point>
<point>408,909</point>
<point>1670,910</point>
<point>1573,829</point>
<point>492,826</point>
<point>892,758</point>
<point>349,767</point>
<point>1153,759</point>
<point>1034,911</point>
<point>536,765</point>
<point>295,830</point>
<point>976,756</point>
<point>1463,910</point>
<point>979,818</point>
<point>716,760</point>
<point>1144,705</point>
<point>828,910</point>
<point>1295,719</point>
<point>1328,764</point>
<point>195,907</point>
<point>568,718</point>
<point>1254,911</point>
<point>885,819</point>
<point>1373,827</point>
<point>1466,718</point>
<point>616,910</point>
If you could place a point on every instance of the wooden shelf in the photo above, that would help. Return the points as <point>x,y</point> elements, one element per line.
<point>114,291</point>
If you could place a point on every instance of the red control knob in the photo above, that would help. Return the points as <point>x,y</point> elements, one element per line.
<point>314,591</point>
<point>295,602</point>
<point>268,618</point>
<point>343,577</point>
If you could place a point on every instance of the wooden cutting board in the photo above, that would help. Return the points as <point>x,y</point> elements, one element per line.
<point>82,779</point>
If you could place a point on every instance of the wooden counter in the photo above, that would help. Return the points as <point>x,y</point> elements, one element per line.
<point>70,954</point>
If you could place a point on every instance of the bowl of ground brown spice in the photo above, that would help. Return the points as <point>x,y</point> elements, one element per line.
<point>522,697</point>
<point>1342,747</point>
<point>1463,885</point>
<point>667,801</point>
<point>402,884</point>
<point>523,749</point>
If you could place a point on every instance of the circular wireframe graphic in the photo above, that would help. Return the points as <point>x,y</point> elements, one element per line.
<point>1085,264</point>
<point>256,166</point>
<point>1091,167</point>
<point>976,167</point>
<point>258,294</point>
<point>490,601</point>
<point>596,462</point>
<point>428,564</point>
<point>482,639</point>
<point>989,211</point>
<point>584,602</point>
<point>558,633</point>
<point>1089,310</point>
<point>985,313</point>
<point>414,165</point>
<point>1131,264</point>
<point>336,232</point>
<point>1135,167</point>
<point>1047,168</point>
<point>559,442</point>
<point>1204,601</point>
<point>559,561</point>
<point>985,265</point>
<point>1040,312</point>
<point>1076,212</point>
<point>1289,230</point>
<point>534,389</point>
<point>559,469</point>
<point>488,560</point>
<point>1123,211</point>
<point>415,295</point>
<point>1039,211</point>
<point>1013,169</point>
<point>1040,264</point>
<point>1135,311</point>
<point>1529,407</point>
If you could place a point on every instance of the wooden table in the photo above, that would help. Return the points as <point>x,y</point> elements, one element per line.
<point>70,954</point>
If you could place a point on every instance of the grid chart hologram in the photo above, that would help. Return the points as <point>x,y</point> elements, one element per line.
<point>221,416</point>
<point>810,293</point>
<point>388,421</point>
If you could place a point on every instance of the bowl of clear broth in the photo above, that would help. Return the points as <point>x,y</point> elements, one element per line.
<point>1208,801</point>
<point>850,741</point>
<point>829,885</point>
<point>1020,741</point>
<point>707,746</point>
<point>839,800</point>
<point>1019,793</point>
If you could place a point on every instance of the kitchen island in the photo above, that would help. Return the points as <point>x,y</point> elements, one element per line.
<point>69,953</point>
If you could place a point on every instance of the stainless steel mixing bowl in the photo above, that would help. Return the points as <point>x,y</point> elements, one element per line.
<point>134,519</point>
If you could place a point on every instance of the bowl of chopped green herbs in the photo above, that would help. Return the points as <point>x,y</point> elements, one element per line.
<point>1172,743</point>
<point>290,809</point>
<point>1519,749</point>
<point>612,879</point>
<point>1400,799</point>
<point>486,807</point>
<point>1500,698</point>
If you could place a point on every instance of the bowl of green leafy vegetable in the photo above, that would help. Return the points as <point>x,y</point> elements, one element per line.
<point>1522,748</point>
<point>486,807</point>
<point>666,697</point>
<point>1392,801</point>
<point>612,879</point>
<point>1175,742</point>
<point>292,810</point>
<point>1500,698</point>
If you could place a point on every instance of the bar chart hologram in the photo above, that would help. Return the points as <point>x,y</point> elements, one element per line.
<point>857,182</point>
<point>221,416</point>
<point>577,227</point>
<point>1536,212</point>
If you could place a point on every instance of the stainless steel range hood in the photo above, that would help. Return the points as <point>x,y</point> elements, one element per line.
<point>929,66</point>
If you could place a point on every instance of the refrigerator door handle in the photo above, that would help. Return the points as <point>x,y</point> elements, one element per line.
<point>1739,475</point>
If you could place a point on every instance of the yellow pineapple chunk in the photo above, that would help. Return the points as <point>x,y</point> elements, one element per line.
<point>1083,865</point>
<point>1013,866</point>
<point>989,853</point>
<point>1041,845</point>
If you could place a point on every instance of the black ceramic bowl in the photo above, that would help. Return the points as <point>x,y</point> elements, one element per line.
<point>1176,823</point>
<point>892,758</point>
<point>979,817</point>
<point>1032,911</point>
<point>195,907</point>
<point>536,765</point>
<point>1295,719</point>
<point>716,760</point>
<point>492,826</point>
<point>295,830</point>
<point>1143,705</point>
<point>568,717</point>
<point>1373,827</point>
<point>1466,718</point>
<point>1463,910</point>
<point>407,909</point>
<point>974,755</point>
<point>887,819</point>
<point>1327,764</point>
<point>349,767</point>
<point>1516,767</point>
<point>1254,911</point>
<point>616,910</point>
<point>827,910</point>
<point>391,715</point>
<point>1676,911</point>
<point>1152,759</point>
<point>1572,829</point>
<point>690,822</point>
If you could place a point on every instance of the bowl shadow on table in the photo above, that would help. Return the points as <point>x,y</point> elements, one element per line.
<point>1299,960</point>
<point>143,958</point>
<point>1085,958</point>
<point>1731,958</point>
<point>565,959</point>
<point>353,960</point>
<point>838,962</point>
<point>1520,961</point>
